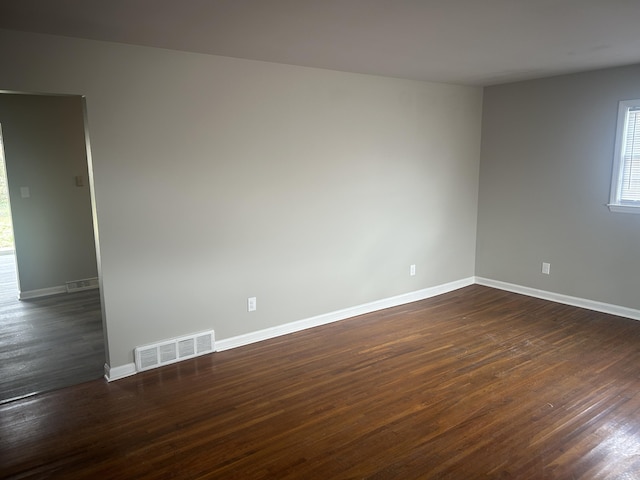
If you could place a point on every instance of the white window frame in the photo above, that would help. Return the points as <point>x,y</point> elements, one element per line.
<point>616,204</point>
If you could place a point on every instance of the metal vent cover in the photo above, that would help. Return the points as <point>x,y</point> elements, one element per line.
<point>84,284</point>
<point>174,350</point>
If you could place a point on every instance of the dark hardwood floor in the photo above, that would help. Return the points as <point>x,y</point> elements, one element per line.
<point>47,343</point>
<point>476,383</point>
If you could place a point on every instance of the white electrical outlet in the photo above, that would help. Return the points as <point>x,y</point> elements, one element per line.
<point>252,304</point>
<point>546,268</point>
<point>412,270</point>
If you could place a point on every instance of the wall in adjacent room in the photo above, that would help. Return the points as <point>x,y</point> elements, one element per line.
<point>45,151</point>
<point>218,179</point>
<point>546,162</point>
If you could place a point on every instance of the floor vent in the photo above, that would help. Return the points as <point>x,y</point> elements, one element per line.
<point>85,284</point>
<point>175,350</point>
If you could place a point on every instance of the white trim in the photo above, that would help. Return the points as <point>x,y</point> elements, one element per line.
<point>42,292</point>
<point>622,124</point>
<point>560,298</point>
<point>122,371</point>
<point>616,208</point>
<point>338,315</point>
<point>116,373</point>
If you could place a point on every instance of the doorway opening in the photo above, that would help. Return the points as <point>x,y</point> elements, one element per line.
<point>50,336</point>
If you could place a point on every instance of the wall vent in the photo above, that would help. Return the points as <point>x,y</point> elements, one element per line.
<point>84,284</point>
<point>174,350</point>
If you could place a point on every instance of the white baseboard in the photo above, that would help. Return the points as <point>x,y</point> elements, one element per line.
<point>338,315</point>
<point>122,371</point>
<point>45,292</point>
<point>559,298</point>
<point>116,373</point>
<point>42,292</point>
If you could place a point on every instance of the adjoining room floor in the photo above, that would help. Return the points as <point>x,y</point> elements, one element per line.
<point>47,343</point>
<point>476,383</point>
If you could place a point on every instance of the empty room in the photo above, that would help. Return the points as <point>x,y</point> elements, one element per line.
<point>342,239</point>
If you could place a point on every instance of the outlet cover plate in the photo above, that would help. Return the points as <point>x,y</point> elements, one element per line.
<point>252,304</point>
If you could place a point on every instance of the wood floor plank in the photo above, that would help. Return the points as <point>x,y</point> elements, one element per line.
<point>47,343</point>
<point>477,383</point>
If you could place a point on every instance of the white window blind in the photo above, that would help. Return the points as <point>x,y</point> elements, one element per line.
<point>630,178</point>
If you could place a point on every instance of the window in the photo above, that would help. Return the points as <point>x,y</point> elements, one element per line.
<point>625,182</point>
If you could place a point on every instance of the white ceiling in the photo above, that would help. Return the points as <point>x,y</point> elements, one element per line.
<point>475,42</point>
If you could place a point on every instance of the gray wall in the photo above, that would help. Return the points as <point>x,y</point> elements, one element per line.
<point>547,153</point>
<point>216,179</point>
<point>44,151</point>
